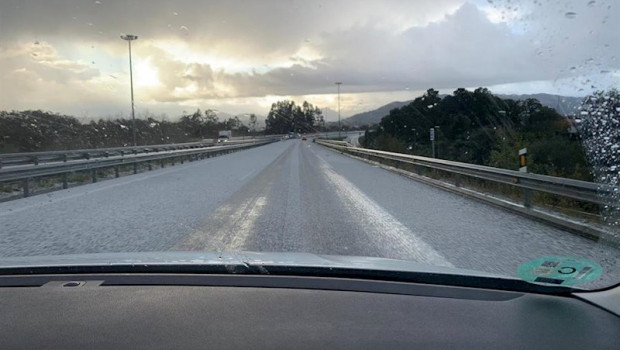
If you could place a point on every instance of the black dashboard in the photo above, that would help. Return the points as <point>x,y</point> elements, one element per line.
<point>185,311</point>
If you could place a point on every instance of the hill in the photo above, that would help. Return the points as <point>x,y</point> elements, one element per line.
<point>564,105</point>
<point>374,116</point>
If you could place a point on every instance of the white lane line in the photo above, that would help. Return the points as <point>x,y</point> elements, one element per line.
<point>247,175</point>
<point>247,218</point>
<point>227,229</point>
<point>384,229</point>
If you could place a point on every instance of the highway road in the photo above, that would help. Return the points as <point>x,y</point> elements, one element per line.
<point>291,195</point>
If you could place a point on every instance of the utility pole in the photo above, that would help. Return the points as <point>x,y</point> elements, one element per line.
<point>129,38</point>
<point>338,83</point>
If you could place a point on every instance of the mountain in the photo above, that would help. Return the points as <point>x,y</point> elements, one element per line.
<point>565,105</point>
<point>330,115</point>
<point>374,116</point>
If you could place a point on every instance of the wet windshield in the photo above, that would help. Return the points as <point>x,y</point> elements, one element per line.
<point>477,135</point>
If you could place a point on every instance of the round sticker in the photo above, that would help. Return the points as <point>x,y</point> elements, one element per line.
<point>560,271</point>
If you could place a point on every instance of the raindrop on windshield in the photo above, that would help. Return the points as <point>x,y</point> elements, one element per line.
<point>591,3</point>
<point>98,2</point>
<point>570,15</point>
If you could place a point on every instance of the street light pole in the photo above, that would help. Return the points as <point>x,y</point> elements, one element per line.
<point>338,83</point>
<point>129,38</point>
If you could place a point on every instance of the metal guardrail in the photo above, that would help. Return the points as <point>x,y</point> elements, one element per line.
<point>569,188</point>
<point>35,158</point>
<point>27,173</point>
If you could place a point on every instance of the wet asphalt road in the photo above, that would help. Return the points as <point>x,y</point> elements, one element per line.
<point>287,196</point>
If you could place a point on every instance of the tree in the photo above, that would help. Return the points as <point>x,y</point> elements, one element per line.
<point>253,121</point>
<point>285,116</point>
<point>478,127</point>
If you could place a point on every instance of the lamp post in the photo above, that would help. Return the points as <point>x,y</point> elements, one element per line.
<point>338,83</point>
<point>129,38</point>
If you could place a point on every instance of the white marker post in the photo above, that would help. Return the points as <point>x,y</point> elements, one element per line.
<point>523,168</point>
<point>523,160</point>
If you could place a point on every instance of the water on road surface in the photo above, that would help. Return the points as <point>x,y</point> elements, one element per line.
<point>289,196</point>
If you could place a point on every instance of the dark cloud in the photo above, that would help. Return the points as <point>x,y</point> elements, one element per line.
<point>227,49</point>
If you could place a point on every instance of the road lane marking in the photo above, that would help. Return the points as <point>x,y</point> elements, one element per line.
<point>247,175</point>
<point>227,229</point>
<point>246,225</point>
<point>380,226</point>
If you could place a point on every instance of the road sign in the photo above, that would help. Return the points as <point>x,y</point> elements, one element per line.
<point>432,134</point>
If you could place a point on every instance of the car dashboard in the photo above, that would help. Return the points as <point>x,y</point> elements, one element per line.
<point>231,311</point>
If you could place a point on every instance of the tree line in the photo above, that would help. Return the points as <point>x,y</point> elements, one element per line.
<point>480,128</point>
<point>36,130</point>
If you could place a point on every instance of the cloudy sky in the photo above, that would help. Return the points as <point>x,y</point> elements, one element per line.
<point>240,56</point>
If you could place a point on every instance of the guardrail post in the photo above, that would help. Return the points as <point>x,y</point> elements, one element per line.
<point>161,163</point>
<point>0,163</point>
<point>150,166</point>
<point>35,160</point>
<point>457,180</point>
<point>135,168</point>
<point>65,181</point>
<point>64,158</point>
<point>93,174</point>
<point>116,171</point>
<point>26,187</point>
<point>172,161</point>
<point>527,197</point>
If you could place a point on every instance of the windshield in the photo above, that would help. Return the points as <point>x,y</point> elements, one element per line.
<point>475,135</point>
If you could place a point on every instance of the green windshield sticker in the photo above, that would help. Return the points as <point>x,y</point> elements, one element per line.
<point>560,270</point>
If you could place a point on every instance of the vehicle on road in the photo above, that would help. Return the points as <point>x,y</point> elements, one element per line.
<point>224,136</point>
<point>303,138</point>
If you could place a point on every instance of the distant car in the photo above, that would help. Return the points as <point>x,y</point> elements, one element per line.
<point>222,140</point>
<point>303,138</point>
